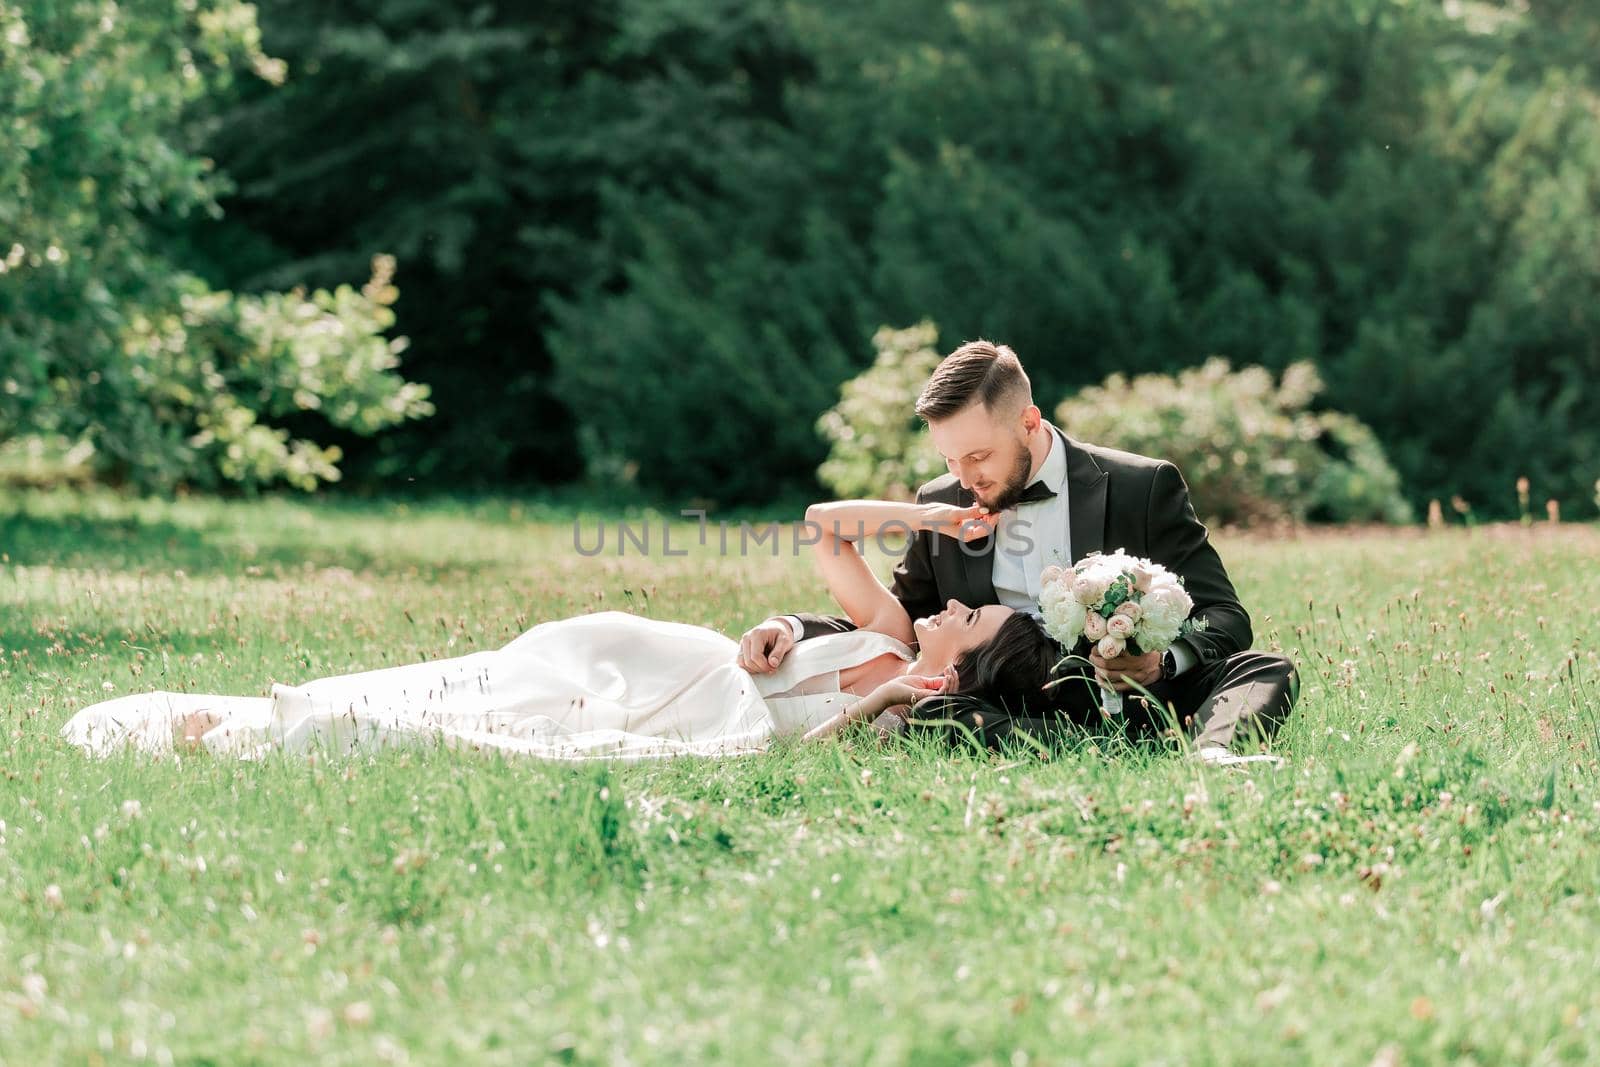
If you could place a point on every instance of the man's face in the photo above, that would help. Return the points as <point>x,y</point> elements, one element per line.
<point>988,451</point>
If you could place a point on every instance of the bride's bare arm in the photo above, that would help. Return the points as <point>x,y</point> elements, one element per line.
<point>839,524</point>
<point>863,709</point>
<point>896,692</point>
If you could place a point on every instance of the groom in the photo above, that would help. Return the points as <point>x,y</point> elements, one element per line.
<point>1058,500</point>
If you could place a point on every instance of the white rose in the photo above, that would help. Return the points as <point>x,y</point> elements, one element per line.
<point>1167,602</point>
<point>1168,581</point>
<point>1165,610</point>
<point>1065,622</point>
<point>1050,596</point>
<point>1118,561</point>
<point>1156,642</point>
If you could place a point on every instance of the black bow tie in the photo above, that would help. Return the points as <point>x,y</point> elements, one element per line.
<point>1036,492</point>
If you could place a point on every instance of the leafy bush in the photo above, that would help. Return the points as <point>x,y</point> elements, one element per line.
<point>42,462</point>
<point>879,445</point>
<point>105,339</point>
<point>1251,449</point>
<point>204,376</point>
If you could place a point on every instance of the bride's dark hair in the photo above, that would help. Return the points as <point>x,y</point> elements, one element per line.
<point>1000,680</point>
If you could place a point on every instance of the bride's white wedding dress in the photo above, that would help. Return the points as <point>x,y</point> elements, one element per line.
<point>603,686</point>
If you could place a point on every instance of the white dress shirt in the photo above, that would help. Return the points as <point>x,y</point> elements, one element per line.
<point>1031,537</point>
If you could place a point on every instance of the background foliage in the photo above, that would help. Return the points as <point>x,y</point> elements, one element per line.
<point>103,335</point>
<point>1251,448</point>
<point>650,240</point>
<point>879,445</point>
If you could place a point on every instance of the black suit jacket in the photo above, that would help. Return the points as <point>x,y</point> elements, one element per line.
<point>1115,500</point>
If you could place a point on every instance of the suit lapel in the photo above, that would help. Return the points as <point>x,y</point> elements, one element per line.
<point>1086,500</point>
<point>977,565</point>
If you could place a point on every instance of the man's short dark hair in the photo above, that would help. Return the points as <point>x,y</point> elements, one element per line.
<point>977,371</point>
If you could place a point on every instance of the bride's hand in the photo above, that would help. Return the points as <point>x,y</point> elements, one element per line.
<point>963,523</point>
<point>906,689</point>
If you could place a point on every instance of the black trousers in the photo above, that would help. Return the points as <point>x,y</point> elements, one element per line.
<point>1236,703</point>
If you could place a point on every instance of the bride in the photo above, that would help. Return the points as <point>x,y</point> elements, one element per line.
<point>619,686</point>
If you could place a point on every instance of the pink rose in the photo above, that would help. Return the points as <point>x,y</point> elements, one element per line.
<point>1142,574</point>
<point>1119,625</point>
<point>1094,626</point>
<point>1090,589</point>
<point>1130,609</point>
<point>1051,573</point>
<point>1110,647</point>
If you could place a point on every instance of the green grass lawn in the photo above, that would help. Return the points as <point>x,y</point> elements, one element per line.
<point>1418,884</point>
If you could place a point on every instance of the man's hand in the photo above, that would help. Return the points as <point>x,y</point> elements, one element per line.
<point>762,649</point>
<point>1120,672</point>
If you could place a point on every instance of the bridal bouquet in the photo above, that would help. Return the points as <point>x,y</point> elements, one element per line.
<point>1114,603</point>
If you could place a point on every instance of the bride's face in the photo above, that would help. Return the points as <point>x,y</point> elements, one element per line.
<point>943,637</point>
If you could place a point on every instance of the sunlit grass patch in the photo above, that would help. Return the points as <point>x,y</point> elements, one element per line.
<point>1419,880</point>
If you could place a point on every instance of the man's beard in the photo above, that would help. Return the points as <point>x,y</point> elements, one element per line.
<point>1011,492</point>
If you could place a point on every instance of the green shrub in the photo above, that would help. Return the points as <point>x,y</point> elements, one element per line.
<point>208,375</point>
<point>107,340</point>
<point>1251,448</point>
<point>879,445</point>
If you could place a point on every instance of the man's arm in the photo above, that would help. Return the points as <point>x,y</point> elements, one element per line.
<point>1178,540</point>
<point>815,625</point>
